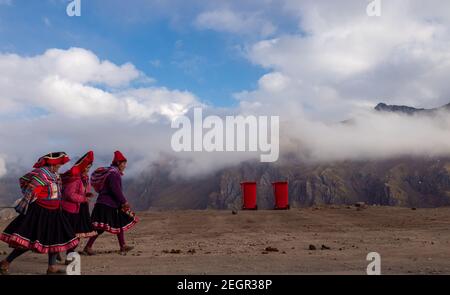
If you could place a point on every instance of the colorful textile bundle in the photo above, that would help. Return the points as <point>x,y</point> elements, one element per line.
<point>40,177</point>
<point>98,178</point>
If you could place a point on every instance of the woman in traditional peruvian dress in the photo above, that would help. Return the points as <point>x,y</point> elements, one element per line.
<point>41,225</point>
<point>111,212</point>
<point>76,196</point>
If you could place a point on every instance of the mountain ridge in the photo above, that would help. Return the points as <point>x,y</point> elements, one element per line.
<point>383,107</point>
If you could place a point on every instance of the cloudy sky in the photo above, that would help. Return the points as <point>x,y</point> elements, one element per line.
<point>114,77</point>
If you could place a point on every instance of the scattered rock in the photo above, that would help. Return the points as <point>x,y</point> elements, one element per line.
<point>264,252</point>
<point>361,205</point>
<point>234,212</point>
<point>173,251</point>
<point>284,252</point>
<point>191,251</point>
<point>325,247</point>
<point>312,247</point>
<point>414,209</point>
<point>271,249</point>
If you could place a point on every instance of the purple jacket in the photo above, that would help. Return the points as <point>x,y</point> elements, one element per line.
<point>111,195</point>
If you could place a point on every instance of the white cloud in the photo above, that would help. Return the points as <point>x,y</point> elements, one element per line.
<point>69,82</point>
<point>274,82</point>
<point>370,135</point>
<point>70,100</point>
<point>344,60</point>
<point>341,63</point>
<point>226,20</point>
<point>80,65</point>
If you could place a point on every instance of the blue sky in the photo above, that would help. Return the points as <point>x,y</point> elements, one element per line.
<point>209,64</point>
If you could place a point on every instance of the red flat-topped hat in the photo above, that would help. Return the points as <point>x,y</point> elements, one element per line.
<point>58,158</point>
<point>82,163</point>
<point>118,157</point>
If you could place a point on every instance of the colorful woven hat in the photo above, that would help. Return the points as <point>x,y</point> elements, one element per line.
<point>82,163</point>
<point>118,157</point>
<point>58,158</point>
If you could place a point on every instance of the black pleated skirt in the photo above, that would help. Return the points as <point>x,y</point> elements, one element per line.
<point>40,230</point>
<point>111,219</point>
<point>81,222</point>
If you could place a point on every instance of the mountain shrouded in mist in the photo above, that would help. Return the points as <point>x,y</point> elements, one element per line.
<point>401,182</point>
<point>411,181</point>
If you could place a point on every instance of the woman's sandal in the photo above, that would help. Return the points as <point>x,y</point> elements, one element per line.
<point>88,252</point>
<point>4,268</point>
<point>125,249</point>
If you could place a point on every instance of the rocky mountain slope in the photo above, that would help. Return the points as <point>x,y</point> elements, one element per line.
<point>400,182</point>
<point>382,107</point>
<point>9,190</point>
<point>413,182</point>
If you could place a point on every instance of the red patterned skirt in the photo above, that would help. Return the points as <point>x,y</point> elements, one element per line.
<point>40,230</point>
<point>81,222</point>
<point>111,219</point>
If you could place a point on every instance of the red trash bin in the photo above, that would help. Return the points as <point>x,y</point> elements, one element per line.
<point>280,190</point>
<point>249,195</point>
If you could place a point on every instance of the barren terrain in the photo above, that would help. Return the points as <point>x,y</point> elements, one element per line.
<point>219,242</point>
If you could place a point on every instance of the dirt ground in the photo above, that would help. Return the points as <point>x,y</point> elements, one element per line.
<point>219,242</point>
